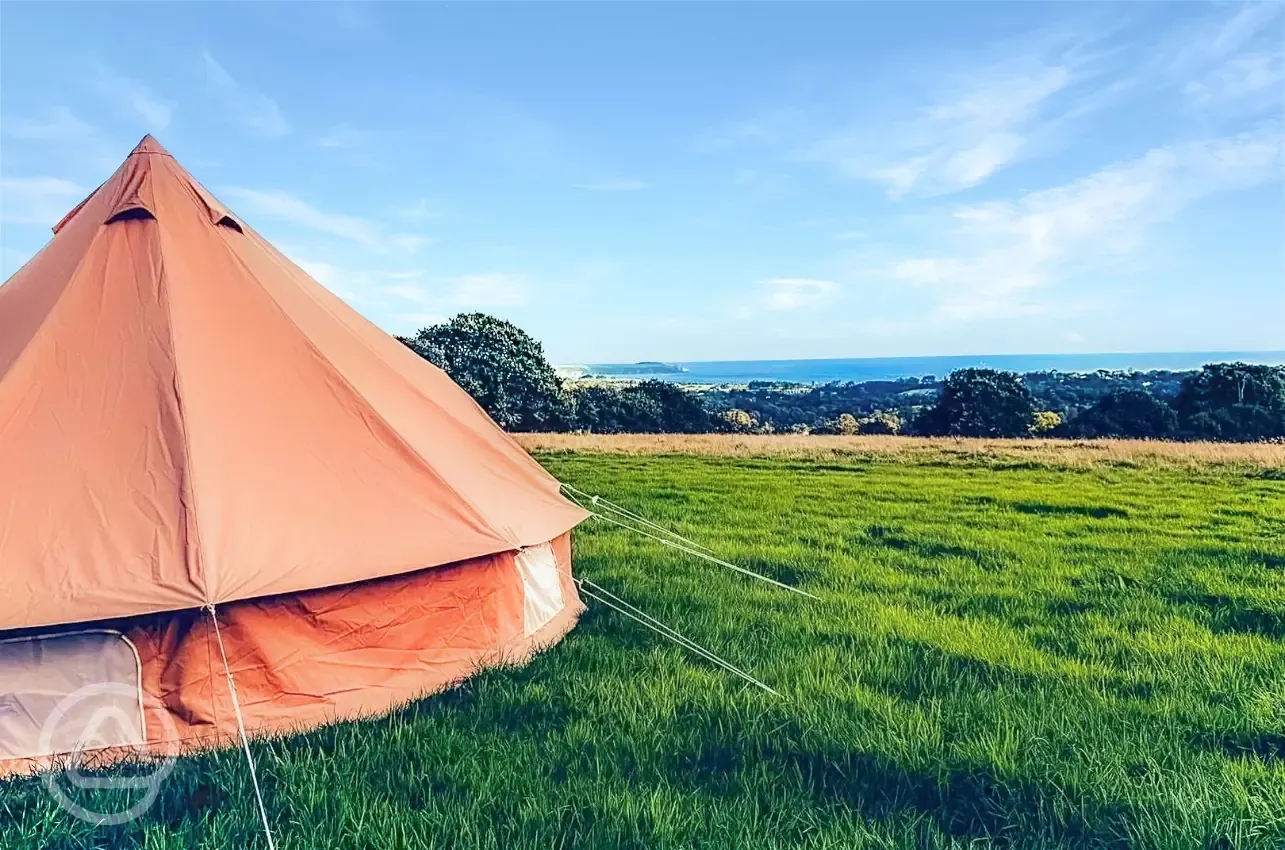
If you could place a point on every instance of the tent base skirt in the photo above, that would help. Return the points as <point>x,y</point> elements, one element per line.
<point>306,659</point>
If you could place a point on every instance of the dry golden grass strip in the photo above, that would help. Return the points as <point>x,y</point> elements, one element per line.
<point>1052,452</point>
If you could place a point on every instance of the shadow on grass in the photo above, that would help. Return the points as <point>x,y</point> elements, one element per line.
<point>892,538</point>
<point>1094,511</point>
<point>1268,747</point>
<point>1224,614</point>
<point>965,804</point>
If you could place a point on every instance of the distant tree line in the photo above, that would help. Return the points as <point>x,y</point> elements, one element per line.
<point>507,373</point>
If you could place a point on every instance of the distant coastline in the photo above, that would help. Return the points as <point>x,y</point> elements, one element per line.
<point>859,369</point>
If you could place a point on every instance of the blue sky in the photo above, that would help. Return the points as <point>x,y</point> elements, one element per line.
<point>685,181</point>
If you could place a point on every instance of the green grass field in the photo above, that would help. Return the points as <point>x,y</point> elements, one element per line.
<point>1006,650</point>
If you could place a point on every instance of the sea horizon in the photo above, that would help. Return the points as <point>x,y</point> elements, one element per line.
<point>858,369</point>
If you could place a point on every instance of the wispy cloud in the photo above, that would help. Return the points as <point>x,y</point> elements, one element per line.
<point>257,113</point>
<point>614,185</point>
<point>488,290</point>
<point>287,207</point>
<point>134,96</point>
<point>365,289</point>
<point>852,234</point>
<point>56,124</point>
<point>408,242</point>
<point>956,124</point>
<point>37,200</point>
<point>417,300</point>
<point>954,143</point>
<point>793,293</point>
<point>1230,60</point>
<point>1258,75</point>
<point>1008,249</point>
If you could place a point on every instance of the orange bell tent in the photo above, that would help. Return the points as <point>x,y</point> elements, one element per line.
<point>190,428</point>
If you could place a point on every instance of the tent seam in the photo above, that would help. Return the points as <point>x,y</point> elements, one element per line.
<point>193,541</point>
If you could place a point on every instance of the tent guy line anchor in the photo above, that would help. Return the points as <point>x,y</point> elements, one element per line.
<point>240,725</point>
<point>681,546</point>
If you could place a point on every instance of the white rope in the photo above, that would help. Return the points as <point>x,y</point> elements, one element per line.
<point>240,723</point>
<point>640,616</point>
<point>671,633</point>
<point>709,558</point>
<point>612,506</point>
<point>691,549</point>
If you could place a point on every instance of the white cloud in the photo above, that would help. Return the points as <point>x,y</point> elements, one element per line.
<point>793,293</point>
<point>138,98</point>
<point>1010,248</point>
<point>56,124</point>
<point>287,207</point>
<point>38,200</point>
<point>615,185</point>
<point>257,113</point>
<point>852,234</point>
<point>1257,74</point>
<point>471,291</point>
<point>955,143</point>
<point>488,290</point>
<point>408,242</point>
<point>1210,40</point>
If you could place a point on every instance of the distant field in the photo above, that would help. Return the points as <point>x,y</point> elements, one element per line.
<point>1026,644</point>
<point>1053,452</point>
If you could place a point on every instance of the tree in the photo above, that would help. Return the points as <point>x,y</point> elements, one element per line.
<point>1045,421</point>
<point>1233,401</point>
<point>847,424</point>
<point>738,420</point>
<point>980,403</point>
<point>844,423</point>
<point>1125,413</point>
<point>501,367</point>
<point>664,408</point>
<point>880,422</point>
<point>649,407</point>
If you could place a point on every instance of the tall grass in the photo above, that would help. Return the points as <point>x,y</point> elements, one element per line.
<point>1054,452</point>
<point>1018,650</point>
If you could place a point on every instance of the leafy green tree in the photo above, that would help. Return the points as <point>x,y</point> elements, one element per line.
<point>649,407</point>
<point>1233,401</point>
<point>1045,421</point>
<point>738,420</point>
<point>980,403</point>
<point>1125,413</point>
<point>660,407</point>
<point>599,409</point>
<point>501,366</point>
<point>880,422</point>
<point>844,423</point>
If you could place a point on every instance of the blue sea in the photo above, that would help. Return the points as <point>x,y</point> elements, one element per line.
<point>890,368</point>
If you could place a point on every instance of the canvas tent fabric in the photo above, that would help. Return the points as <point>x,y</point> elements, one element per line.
<point>187,418</point>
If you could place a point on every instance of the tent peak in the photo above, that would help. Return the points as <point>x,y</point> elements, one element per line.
<point>149,145</point>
